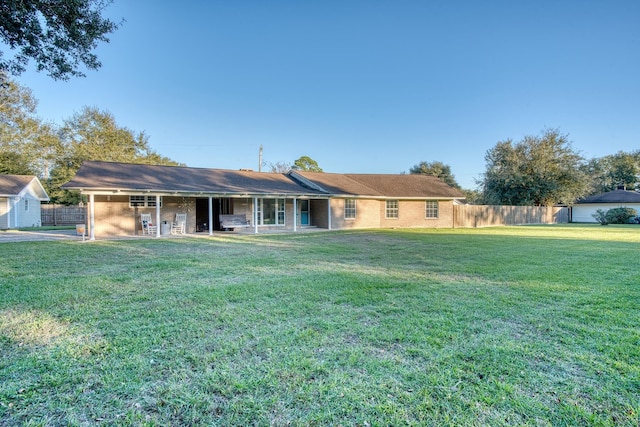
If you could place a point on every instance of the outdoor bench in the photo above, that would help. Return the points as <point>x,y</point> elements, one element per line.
<point>234,221</point>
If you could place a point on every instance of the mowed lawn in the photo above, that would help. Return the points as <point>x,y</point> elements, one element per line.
<point>536,325</point>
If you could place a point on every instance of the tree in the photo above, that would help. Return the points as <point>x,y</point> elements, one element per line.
<point>473,197</point>
<point>58,35</point>
<point>26,143</point>
<point>306,163</point>
<point>438,169</point>
<point>279,167</point>
<point>93,134</point>
<point>609,172</point>
<point>539,170</point>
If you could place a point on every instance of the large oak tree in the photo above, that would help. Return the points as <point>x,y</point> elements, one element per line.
<point>538,170</point>
<point>60,36</point>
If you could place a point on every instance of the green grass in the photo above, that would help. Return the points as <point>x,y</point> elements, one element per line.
<point>502,326</point>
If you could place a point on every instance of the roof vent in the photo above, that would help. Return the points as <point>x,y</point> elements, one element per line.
<point>621,187</point>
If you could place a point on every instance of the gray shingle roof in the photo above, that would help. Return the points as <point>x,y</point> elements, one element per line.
<point>12,185</point>
<point>382,185</point>
<point>108,176</point>
<point>617,196</point>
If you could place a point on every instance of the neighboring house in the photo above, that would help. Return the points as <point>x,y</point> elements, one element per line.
<point>583,210</point>
<point>20,197</point>
<point>119,192</point>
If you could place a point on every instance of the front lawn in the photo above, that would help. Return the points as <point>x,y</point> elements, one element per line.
<point>500,326</point>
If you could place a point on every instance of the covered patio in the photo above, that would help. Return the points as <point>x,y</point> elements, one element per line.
<point>119,194</point>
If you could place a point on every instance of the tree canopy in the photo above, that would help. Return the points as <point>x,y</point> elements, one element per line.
<point>306,163</point>
<point>609,172</point>
<point>279,167</point>
<point>58,35</point>
<point>93,134</point>
<point>26,143</point>
<point>438,169</point>
<point>29,146</point>
<point>539,170</point>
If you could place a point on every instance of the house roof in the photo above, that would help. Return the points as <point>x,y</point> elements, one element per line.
<point>109,176</point>
<point>616,196</point>
<point>14,185</point>
<point>127,177</point>
<point>381,185</point>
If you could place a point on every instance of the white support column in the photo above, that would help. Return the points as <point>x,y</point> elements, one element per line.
<point>255,215</point>
<point>16,208</point>
<point>295,214</point>
<point>158,216</point>
<point>92,217</point>
<point>9,212</point>
<point>329,213</point>
<point>210,216</point>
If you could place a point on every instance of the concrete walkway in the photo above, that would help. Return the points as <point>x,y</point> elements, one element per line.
<point>36,236</point>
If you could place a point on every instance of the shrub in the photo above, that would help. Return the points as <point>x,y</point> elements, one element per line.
<point>620,215</point>
<point>601,217</point>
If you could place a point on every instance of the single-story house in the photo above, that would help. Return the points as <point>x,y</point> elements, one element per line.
<point>20,197</point>
<point>119,192</point>
<point>583,210</point>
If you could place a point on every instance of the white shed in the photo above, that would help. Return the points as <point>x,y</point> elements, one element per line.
<point>20,197</point>
<point>584,209</point>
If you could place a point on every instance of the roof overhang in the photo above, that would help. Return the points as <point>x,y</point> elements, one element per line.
<point>169,193</point>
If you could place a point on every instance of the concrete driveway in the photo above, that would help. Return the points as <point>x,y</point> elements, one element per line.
<point>35,236</point>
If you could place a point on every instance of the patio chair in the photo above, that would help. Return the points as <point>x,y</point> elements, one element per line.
<point>147,226</point>
<point>179,226</point>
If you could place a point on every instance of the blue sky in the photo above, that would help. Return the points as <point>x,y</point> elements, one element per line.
<point>362,86</point>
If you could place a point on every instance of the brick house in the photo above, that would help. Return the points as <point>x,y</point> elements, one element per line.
<point>119,192</point>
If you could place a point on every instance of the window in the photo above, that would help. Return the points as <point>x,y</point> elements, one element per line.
<point>143,201</point>
<point>432,209</point>
<point>271,212</point>
<point>26,205</point>
<point>349,208</point>
<point>391,209</point>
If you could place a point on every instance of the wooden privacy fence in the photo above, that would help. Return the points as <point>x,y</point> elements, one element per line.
<point>487,216</point>
<point>63,215</point>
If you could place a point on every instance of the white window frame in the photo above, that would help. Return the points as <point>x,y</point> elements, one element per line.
<point>26,205</point>
<point>350,212</point>
<point>279,212</point>
<point>432,209</point>
<point>143,201</point>
<point>392,209</point>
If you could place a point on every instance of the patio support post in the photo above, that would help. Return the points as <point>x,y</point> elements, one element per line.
<point>295,214</point>
<point>329,213</point>
<point>158,216</point>
<point>255,215</point>
<point>92,217</point>
<point>210,216</point>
